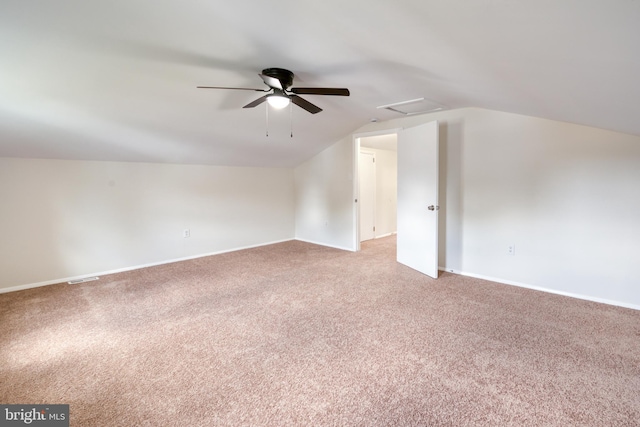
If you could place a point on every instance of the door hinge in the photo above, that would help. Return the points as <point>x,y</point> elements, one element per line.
<point>374,160</point>
<point>374,228</point>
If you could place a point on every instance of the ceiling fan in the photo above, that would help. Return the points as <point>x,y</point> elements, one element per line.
<point>280,92</point>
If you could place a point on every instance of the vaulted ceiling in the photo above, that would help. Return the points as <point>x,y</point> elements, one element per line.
<point>116,80</point>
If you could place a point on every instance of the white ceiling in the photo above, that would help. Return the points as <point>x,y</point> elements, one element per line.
<point>116,80</point>
<point>387,142</point>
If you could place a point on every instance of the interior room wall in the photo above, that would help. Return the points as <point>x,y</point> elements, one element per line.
<point>324,203</point>
<point>63,219</point>
<point>565,195</point>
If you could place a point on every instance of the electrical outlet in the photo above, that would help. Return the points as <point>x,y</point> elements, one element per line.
<point>512,249</point>
<point>186,233</point>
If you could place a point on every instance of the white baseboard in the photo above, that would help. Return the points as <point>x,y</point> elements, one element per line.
<point>342,248</point>
<point>136,267</point>
<point>385,235</point>
<point>542,289</point>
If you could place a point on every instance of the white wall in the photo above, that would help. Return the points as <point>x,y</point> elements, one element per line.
<point>567,196</point>
<point>324,201</point>
<point>61,219</point>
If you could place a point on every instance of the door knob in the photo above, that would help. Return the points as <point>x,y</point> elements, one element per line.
<point>433,208</point>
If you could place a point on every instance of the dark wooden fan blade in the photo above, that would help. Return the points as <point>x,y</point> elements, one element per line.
<point>303,103</point>
<point>271,81</point>
<point>256,102</point>
<point>320,91</point>
<point>232,88</point>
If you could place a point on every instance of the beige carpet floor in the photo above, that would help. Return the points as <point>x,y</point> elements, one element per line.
<point>301,335</point>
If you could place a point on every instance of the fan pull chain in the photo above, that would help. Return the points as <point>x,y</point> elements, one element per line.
<point>291,117</point>
<point>267,110</point>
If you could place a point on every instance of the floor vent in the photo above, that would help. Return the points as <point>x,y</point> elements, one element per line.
<point>86,279</point>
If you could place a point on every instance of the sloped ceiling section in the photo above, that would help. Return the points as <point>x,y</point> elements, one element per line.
<point>116,80</point>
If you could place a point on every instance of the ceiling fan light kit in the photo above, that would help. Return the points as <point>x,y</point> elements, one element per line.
<point>278,101</point>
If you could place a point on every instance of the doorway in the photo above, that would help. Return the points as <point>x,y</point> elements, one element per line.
<point>377,186</point>
<point>416,194</point>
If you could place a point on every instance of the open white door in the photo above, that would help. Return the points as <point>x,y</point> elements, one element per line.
<point>418,198</point>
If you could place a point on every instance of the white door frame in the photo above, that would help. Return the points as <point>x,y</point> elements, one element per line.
<point>356,173</point>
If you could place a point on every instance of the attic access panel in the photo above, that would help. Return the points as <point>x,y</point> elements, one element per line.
<point>414,106</point>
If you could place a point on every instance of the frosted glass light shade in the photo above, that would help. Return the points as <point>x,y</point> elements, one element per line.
<point>278,101</point>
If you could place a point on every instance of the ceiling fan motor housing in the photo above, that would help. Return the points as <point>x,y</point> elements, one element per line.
<point>284,76</point>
